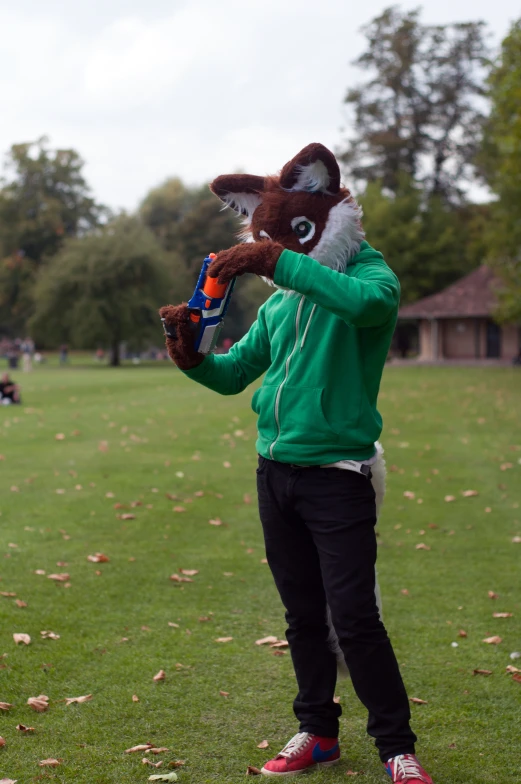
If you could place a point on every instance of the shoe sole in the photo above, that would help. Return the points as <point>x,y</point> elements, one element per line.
<point>266,772</point>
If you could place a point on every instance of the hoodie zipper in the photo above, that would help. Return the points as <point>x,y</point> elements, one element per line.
<point>307,327</point>
<point>279,390</point>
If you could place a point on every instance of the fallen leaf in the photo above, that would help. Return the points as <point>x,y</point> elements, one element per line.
<point>23,728</point>
<point>278,653</point>
<point>492,595</point>
<point>409,494</point>
<point>79,700</point>
<point>482,672</point>
<point>224,693</point>
<point>263,744</point>
<point>252,771</point>
<point>49,635</point>
<point>103,446</point>
<point>280,644</point>
<point>422,546</point>
<point>39,704</point>
<point>59,437</point>
<point>462,633</point>
<point>469,493</point>
<point>493,640</point>
<point>179,509</point>
<point>160,676</point>
<point>8,594</point>
<point>204,618</point>
<point>177,578</point>
<point>2,742</point>
<point>516,540</point>
<point>224,639</point>
<point>516,677</point>
<point>215,521</point>
<point>126,516</point>
<point>336,700</point>
<point>163,777</point>
<point>226,464</point>
<point>135,698</point>
<point>5,706</point>
<point>141,747</point>
<point>266,640</point>
<point>506,466</point>
<point>175,625</point>
<point>51,763</point>
<point>352,773</point>
<point>511,669</point>
<point>133,504</point>
<point>158,750</point>
<point>59,578</point>
<point>189,572</point>
<point>98,558</point>
<point>450,498</point>
<point>146,761</point>
<point>246,498</point>
<point>25,638</point>
<point>502,615</point>
<point>39,571</point>
<point>8,781</point>
<point>417,701</point>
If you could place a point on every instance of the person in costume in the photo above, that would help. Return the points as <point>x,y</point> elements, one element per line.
<point>321,340</point>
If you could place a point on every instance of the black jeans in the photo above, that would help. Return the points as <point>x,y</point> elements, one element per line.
<point>321,547</point>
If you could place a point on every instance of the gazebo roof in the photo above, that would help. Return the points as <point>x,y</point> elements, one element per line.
<point>471,296</point>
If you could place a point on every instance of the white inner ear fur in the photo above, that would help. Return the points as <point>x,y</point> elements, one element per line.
<point>313,177</point>
<point>243,203</point>
<point>341,237</point>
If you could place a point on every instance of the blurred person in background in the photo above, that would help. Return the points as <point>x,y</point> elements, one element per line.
<point>9,391</point>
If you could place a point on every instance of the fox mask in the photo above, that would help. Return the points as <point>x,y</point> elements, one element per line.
<point>304,208</point>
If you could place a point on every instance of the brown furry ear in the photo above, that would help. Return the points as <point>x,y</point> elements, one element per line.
<point>313,169</point>
<point>241,192</point>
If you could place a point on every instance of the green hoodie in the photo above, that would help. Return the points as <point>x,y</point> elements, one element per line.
<point>323,350</point>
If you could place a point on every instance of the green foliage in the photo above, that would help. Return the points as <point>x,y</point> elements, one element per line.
<point>43,201</point>
<point>416,113</point>
<point>428,245</point>
<point>104,288</point>
<point>500,160</point>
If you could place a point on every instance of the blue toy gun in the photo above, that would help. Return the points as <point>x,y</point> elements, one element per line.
<point>208,307</point>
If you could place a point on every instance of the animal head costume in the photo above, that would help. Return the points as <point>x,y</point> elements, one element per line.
<point>304,209</point>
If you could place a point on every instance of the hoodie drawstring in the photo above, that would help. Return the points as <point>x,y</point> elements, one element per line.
<point>307,327</point>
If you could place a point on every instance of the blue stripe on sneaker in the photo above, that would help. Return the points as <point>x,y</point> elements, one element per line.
<point>323,756</point>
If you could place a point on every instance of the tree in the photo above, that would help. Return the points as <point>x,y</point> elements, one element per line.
<point>417,113</point>
<point>428,244</point>
<point>500,161</point>
<point>188,221</point>
<point>104,288</point>
<point>43,201</point>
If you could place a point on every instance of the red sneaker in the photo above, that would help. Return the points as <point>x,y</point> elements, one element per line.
<point>303,752</point>
<point>406,769</point>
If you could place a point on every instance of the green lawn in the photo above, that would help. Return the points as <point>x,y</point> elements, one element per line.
<point>136,434</point>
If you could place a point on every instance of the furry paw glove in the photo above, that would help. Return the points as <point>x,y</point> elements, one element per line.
<point>181,347</point>
<point>260,258</point>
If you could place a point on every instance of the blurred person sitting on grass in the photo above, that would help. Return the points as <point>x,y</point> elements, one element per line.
<point>9,391</point>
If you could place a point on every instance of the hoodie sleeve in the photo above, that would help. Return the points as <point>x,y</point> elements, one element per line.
<point>229,374</point>
<point>367,300</point>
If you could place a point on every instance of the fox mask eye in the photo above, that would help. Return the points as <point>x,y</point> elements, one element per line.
<point>303,228</point>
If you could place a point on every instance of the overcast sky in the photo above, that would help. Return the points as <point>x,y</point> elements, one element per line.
<point>147,89</point>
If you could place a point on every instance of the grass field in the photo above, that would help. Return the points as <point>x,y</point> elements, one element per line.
<point>138,434</point>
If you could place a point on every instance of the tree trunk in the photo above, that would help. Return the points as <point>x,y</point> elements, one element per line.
<point>114,359</point>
